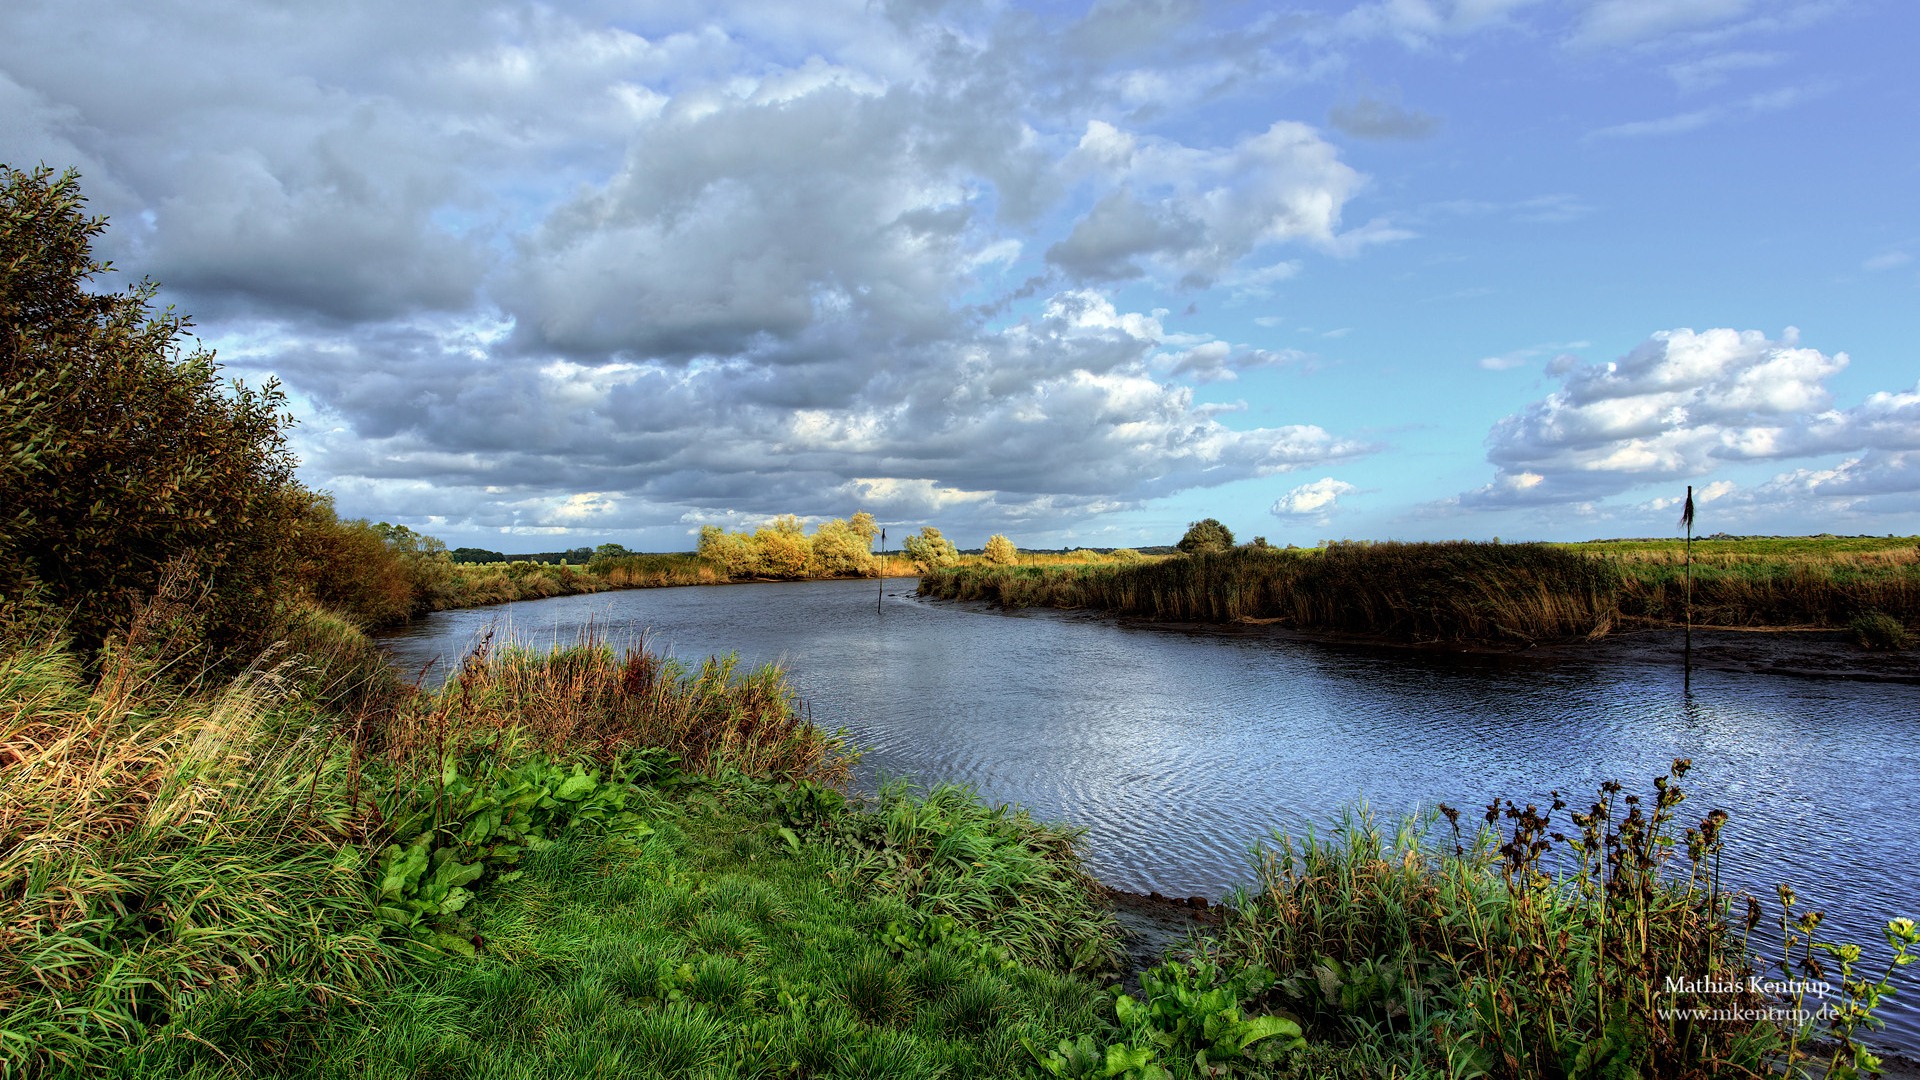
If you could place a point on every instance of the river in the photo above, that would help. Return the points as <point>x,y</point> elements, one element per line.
<point>1178,751</point>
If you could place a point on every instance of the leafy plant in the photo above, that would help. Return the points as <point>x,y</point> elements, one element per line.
<point>483,817</point>
<point>1195,1010</point>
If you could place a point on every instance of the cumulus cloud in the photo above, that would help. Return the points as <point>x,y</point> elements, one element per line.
<point>1192,213</point>
<point>1680,405</point>
<point>1316,499</point>
<point>525,268</point>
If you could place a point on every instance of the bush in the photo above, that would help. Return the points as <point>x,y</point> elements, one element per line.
<point>1878,630</point>
<point>1000,550</point>
<point>929,549</point>
<point>1204,536</point>
<point>119,453</point>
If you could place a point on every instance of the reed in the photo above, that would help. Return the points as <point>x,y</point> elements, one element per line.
<point>1456,592</point>
<point>1415,592</point>
<point>590,698</point>
<point>1812,582</point>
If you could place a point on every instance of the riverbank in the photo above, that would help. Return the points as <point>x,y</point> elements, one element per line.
<point>471,585</point>
<point>557,860</point>
<point>1816,654</point>
<point>1753,610</point>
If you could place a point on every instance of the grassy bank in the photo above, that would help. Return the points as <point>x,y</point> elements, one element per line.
<point>1457,592</point>
<point>468,585</point>
<point>581,863</point>
<point>552,859</point>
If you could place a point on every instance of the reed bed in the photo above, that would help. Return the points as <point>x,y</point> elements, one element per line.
<point>1762,583</point>
<point>589,698</point>
<point>1458,592</point>
<point>1416,592</point>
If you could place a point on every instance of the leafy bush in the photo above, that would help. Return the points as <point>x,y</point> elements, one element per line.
<point>1878,630</point>
<point>1000,550</point>
<point>119,452</point>
<point>1206,535</point>
<point>929,549</point>
<point>482,817</point>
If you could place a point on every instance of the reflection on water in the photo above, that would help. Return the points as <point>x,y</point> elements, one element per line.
<point>1178,752</point>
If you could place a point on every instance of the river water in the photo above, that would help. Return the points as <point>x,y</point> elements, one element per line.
<point>1177,752</point>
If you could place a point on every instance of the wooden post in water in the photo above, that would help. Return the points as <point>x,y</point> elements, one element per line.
<point>1686,522</point>
<point>882,598</point>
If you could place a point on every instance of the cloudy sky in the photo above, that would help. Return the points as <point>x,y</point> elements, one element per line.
<point>561,273</point>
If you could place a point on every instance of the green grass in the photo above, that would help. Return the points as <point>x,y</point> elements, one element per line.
<point>689,953</point>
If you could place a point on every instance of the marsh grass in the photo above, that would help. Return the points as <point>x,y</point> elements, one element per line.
<point>988,879</point>
<point>1415,592</point>
<point>1460,592</point>
<point>188,872</point>
<point>590,698</point>
<point>157,843</point>
<point>1810,581</point>
<point>588,975</point>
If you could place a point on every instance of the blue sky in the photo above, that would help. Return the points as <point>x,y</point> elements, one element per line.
<point>542,275</point>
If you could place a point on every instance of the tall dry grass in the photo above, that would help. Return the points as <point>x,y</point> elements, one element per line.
<point>1745,583</point>
<point>1414,592</point>
<point>591,698</point>
<point>1478,592</point>
<point>160,839</point>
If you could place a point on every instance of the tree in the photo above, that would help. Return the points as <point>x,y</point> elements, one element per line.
<point>929,549</point>
<point>784,549</point>
<point>1204,536</point>
<point>1000,550</point>
<point>839,550</point>
<point>734,554</point>
<point>120,451</point>
<point>611,551</point>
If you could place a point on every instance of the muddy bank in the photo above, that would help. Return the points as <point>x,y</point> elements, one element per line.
<point>1808,653</point>
<point>1158,927</point>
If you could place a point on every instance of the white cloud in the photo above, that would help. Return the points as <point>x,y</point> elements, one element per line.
<point>527,267</point>
<point>1623,22</point>
<point>1680,123</point>
<point>1515,358</point>
<point>1191,214</point>
<point>1315,499</point>
<point>1712,70</point>
<point>1890,260</point>
<point>1679,406</point>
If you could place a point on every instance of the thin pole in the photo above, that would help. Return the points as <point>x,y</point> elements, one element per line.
<point>1686,519</point>
<point>882,598</point>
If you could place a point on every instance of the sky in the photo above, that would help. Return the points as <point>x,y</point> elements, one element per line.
<point>550,275</point>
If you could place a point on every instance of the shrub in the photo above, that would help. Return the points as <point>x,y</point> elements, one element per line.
<point>1878,630</point>
<point>1204,536</point>
<point>930,549</point>
<point>119,453</point>
<point>1000,550</point>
